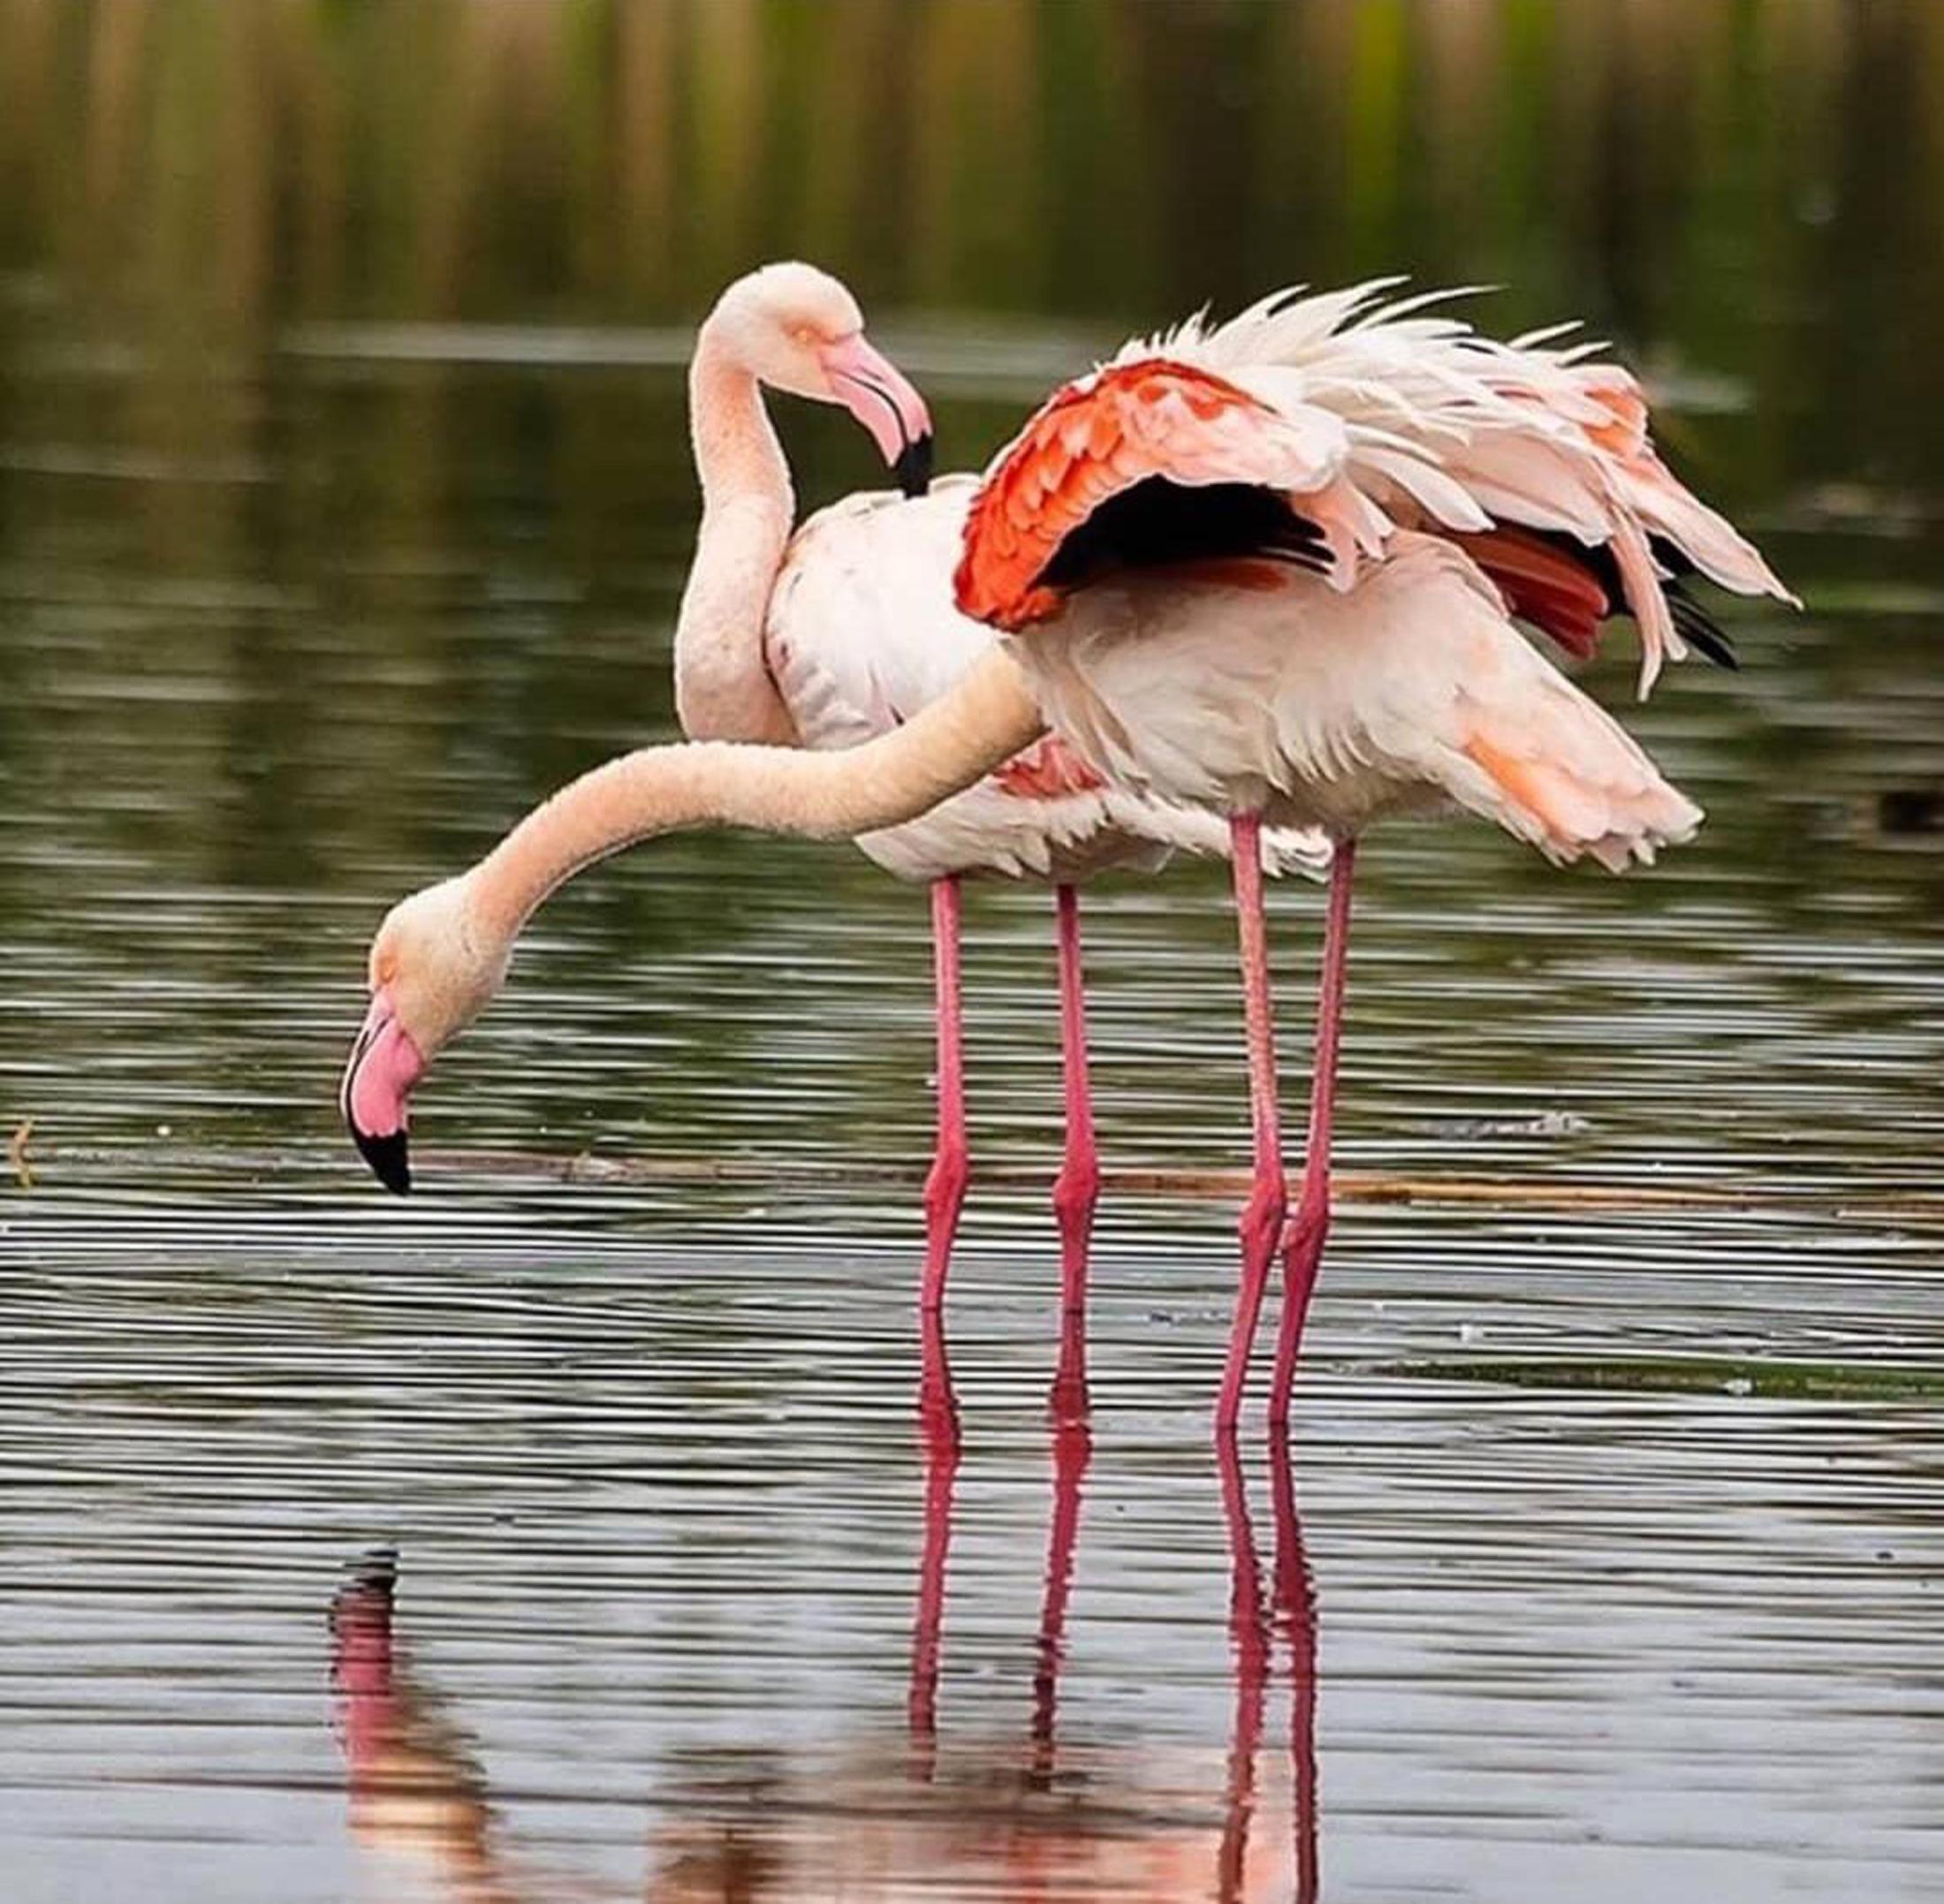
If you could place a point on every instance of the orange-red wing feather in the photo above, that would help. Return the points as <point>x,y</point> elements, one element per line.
<point>1046,770</point>
<point>1543,585</point>
<point>1095,438</point>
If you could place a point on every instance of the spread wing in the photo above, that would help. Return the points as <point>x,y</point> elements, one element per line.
<point>1536,458</point>
<point>1155,463</point>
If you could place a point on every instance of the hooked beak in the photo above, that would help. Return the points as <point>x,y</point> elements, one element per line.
<point>383,1066</point>
<point>878,394</point>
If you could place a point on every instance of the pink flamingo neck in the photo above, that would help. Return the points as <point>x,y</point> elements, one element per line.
<point>946,745</point>
<point>723,687</point>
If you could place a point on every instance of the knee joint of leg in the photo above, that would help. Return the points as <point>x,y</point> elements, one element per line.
<point>1263,1215</point>
<point>1075,1192</point>
<point>945,1185</point>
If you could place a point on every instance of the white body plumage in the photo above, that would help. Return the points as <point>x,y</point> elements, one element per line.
<point>860,633</point>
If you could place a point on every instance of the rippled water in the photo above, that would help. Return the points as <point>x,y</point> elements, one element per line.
<point>1607,1560</point>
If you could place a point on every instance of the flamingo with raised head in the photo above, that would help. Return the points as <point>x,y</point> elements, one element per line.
<point>1275,570</point>
<point>837,632</point>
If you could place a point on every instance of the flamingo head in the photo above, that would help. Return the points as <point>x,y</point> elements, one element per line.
<point>433,969</point>
<point>796,329</point>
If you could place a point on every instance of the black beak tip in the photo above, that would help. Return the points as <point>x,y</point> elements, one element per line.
<point>913,468</point>
<point>388,1157</point>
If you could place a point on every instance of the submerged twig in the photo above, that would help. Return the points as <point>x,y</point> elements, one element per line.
<point>17,1153</point>
<point>1874,1203</point>
<point>1537,1194</point>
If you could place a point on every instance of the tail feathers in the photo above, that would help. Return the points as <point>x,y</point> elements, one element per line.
<point>1706,538</point>
<point>1448,427</point>
<point>1562,775</point>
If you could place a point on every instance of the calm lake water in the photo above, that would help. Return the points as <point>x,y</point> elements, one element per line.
<point>344,501</point>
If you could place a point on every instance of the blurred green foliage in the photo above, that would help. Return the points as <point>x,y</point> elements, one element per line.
<point>1744,182</point>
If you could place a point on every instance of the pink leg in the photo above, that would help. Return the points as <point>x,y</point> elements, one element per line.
<point>945,1185</point>
<point>1262,1217</point>
<point>1077,1188</point>
<point>941,1449</point>
<point>1304,1249</point>
<point>1073,1446</point>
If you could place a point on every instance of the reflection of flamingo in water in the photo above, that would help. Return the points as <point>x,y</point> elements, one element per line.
<point>415,1789</point>
<point>1010,1826</point>
<point>1276,570</point>
<point>1171,1866</point>
<point>1252,1629</point>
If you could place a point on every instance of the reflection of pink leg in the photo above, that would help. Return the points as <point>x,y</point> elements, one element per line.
<point>1262,1218</point>
<point>1077,1188</point>
<point>1073,1446</point>
<point>1249,1640</point>
<point>1296,1610</point>
<point>1304,1251</point>
<point>941,1449</point>
<point>945,1187</point>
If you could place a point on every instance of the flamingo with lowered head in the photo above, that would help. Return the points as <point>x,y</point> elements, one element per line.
<point>828,634</point>
<point>1275,571</point>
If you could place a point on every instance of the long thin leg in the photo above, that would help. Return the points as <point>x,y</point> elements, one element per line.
<point>940,1434</point>
<point>1077,1188</point>
<point>1295,1601</point>
<point>944,1185</point>
<point>1304,1249</point>
<point>1073,1446</point>
<point>1263,1215</point>
<point>1248,1638</point>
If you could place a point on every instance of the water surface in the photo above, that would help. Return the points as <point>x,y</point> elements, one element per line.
<point>1607,1558</point>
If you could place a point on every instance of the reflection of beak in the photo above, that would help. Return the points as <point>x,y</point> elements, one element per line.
<point>383,1066</point>
<point>878,394</point>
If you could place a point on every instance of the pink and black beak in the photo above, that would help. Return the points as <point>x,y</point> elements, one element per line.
<point>383,1066</point>
<point>878,394</point>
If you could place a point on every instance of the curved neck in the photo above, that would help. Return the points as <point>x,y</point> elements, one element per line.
<point>723,689</point>
<point>956,740</point>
